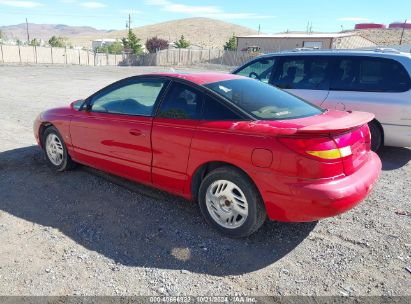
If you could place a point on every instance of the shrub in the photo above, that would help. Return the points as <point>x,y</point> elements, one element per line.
<point>57,41</point>
<point>231,44</point>
<point>182,43</point>
<point>34,42</point>
<point>154,44</point>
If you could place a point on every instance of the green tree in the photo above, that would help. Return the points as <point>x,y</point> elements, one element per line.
<point>18,42</point>
<point>34,42</point>
<point>132,43</point>
<point>2,36</point>
<point>57,41</point>
<point>231,44</point>
<point>113,48</point>
<point>182,43</point>
<point>116,48</point>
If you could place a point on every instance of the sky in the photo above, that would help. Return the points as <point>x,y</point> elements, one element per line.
<point>271,15</point>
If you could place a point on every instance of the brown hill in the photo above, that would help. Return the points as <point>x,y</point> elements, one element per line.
<point>204,32</point>
<point>45,31</point>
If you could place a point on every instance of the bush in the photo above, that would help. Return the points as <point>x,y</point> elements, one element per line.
<point>154,44</point>
<point>34,42</point>
<point>57,41</point>
<point>182,43</point>
<point>113,48</point>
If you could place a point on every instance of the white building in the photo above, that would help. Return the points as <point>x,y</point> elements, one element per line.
<point>102,42</point>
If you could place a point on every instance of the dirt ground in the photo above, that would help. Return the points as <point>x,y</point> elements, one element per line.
<point>87,233</point>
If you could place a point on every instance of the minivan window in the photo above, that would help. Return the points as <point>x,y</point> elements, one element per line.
<point>309,73</point>
<point>260,69</point>
<point>369,74</point>
<point>263,101</point>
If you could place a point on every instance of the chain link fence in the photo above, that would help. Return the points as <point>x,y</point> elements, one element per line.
<point>168,57</point>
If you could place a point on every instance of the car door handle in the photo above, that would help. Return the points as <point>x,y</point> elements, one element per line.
<point>135,132</point>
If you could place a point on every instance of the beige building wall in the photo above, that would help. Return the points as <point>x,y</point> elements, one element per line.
<point>276,44</point>
<point>273,44</point>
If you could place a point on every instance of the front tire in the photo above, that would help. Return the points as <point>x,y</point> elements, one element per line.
<point>56,151</point>
<point>230,202</point>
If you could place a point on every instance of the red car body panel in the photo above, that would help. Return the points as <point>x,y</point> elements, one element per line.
<point>167,153</point>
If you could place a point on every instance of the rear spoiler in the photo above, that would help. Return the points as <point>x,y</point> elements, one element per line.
<point>351,121</point>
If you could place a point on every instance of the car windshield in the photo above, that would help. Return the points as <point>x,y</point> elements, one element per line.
<point>263,101</point>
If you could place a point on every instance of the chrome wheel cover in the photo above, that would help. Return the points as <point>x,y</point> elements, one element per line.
<point>226,204</point>
<point>54,149</point>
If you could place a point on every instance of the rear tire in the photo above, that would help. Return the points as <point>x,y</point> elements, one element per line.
<point>376,136</point>
<point>230,202</point>
<point>56,151</point>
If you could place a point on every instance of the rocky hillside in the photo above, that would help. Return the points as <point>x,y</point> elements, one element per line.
<point>45,31</point>
<point>385,37</point>
<point>203,32</point>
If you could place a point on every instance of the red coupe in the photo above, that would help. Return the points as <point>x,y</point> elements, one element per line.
<point>243,149</point>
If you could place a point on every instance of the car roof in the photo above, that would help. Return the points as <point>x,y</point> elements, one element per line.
<point>379,52</point>
<point>200,78</point>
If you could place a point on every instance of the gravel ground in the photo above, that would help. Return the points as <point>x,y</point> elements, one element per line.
<point>88,233</point>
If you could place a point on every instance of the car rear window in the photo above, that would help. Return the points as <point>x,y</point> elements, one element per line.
<point>263,101</point>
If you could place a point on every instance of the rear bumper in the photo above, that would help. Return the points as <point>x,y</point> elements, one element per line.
<point>291,200</point>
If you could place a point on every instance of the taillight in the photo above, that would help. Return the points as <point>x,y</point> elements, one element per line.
<point>320,148</point>
<point>367,136</point>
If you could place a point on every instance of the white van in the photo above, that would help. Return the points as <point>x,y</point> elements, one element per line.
<point>373,81</point>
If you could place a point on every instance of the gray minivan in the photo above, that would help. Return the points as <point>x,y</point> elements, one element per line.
<point>373,81</point>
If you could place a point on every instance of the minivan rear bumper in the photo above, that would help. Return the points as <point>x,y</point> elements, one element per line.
<point>293,200</point>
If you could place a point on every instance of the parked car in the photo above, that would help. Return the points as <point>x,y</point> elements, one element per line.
<point>243,149</point>
<point>373,81</point>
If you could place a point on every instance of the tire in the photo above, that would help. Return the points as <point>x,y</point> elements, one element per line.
<point>376,136</point>
<point>56,151</point>
<point>224,193</point>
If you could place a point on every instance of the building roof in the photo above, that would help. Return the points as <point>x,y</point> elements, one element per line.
<point>302,35</point>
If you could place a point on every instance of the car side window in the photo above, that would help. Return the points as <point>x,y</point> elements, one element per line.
<point>135,97</point>
<point>309,73</point>
<point>260,69</point>
<point>181,102</point>
<point>370,74</point>
<point>214,110</point>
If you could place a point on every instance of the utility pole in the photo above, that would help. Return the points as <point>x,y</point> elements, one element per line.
<point>27,29</point>
<point>129,22</point>
<point>259,28</point>
<point>403,28</point>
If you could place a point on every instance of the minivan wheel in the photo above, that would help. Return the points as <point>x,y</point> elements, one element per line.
<point>56,151</point>
<point>376,136</point>
<point>230,202</point>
